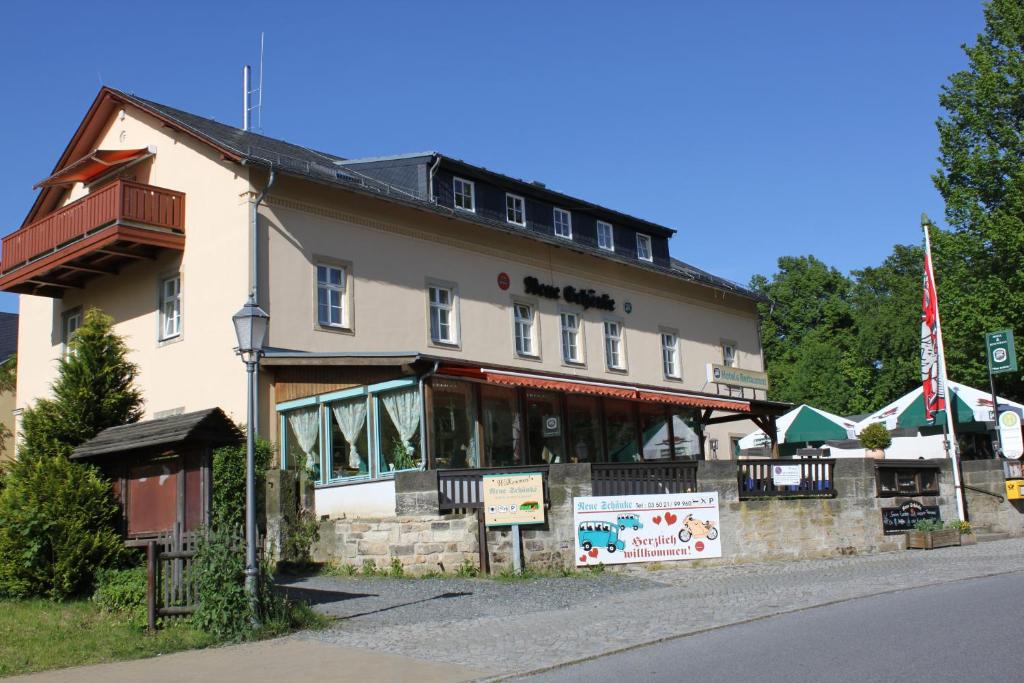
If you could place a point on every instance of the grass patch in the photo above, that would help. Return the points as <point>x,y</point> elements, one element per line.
<point>36,635</point>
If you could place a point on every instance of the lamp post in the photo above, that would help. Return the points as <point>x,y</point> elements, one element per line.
<point>251,329</point>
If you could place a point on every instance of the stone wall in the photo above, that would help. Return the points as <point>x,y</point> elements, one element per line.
<point>752,530</point>
<point>988,513</point>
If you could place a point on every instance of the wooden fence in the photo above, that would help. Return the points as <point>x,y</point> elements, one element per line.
<point>756,479</point>
<point>640,478</point>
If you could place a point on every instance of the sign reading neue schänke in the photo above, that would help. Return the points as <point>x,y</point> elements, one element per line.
<point>587,298</point>
<point>656,528</point>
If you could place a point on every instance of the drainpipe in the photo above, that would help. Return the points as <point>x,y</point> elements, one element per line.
<point>423,413</point>
<point>255,281</point>
<point>433,170</point>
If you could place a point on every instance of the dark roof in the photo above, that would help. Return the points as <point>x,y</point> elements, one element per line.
<point>253,148</point>
<point>210,427</point>
<point>8,335</point>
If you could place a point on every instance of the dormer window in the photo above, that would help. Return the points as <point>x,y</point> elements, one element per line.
<point>515,210</point>
<point>643,247</point>
<point>604,236</point>
<point>563,223</point>
<point>464,194</point>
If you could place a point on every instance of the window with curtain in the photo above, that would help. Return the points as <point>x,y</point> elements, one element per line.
<point>349,454</point>
<point>304,431</point>
<point>399,419</point>
<point>454,424</point>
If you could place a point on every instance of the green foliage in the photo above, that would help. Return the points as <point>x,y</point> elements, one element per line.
<point>219,574</point>
<point>122,591</point>
<point>369,568</point>
<point>396,570</point>
<point>228,509</point>
<point>57,528</point>
<point>300,535</point>
<point>875,437</point>
<point>927,525</point>
<point>9,374</point>
<point>467,570</point>
<point>401,456</point>
<point>95,389</point>
<point>961,525</point>
<point>346,570</point>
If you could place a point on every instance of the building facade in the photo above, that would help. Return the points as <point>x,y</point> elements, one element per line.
<point>425,312</point>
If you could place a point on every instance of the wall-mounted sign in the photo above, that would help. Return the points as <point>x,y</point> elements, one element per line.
<point>587,298</point>
<point>736,377</point>
<point>656,528</point>
<point>513,499</point>
<point>1002,357</point>
<point>627,307</point>
<point>786,475</point>
<point>552,426</point>
<point>503,281</point>
<point>1010,435</point>
<point>903,518</point>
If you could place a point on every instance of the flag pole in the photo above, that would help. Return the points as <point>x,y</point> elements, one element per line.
<point>952,447</point>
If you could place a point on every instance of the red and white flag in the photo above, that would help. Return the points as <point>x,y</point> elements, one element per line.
<point>931,376</point>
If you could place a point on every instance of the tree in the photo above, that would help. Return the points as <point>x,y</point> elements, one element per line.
<point>978,273</point>
<point>95,389</point>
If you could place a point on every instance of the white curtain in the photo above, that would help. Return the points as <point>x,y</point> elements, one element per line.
<point>351,416</point>
<point>306,427</point>
<point>404,408</point>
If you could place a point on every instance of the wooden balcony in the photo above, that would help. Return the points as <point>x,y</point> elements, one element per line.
<point>116,224</point>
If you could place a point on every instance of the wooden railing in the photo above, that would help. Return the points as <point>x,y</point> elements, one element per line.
<point>120,200</point>
<point>642,478</point>
<point>170,583</point>
<point>461,490</point>
<point>756,481</point>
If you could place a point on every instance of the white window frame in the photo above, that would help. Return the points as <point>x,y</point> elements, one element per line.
<point>530,325</point>
<point>645,240</point>
<point>671,358</point>
<point>577,331</point>
<point>343,293</point>
<point>610,246</point>
<point>65,334</point>
<point>510,211</point>
<point>174,300</point>
<point>614,346</point>
<point>452,308</point>
<point>568,222</point>
<point>456,194</point>
<point>729,357</point>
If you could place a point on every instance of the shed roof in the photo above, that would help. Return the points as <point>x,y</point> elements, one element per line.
<point>209,427</point>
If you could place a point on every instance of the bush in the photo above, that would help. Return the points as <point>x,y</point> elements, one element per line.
<point>300,535</point>
<point>57,528</point>
<point>228,510</point>
<point>875,437</point>
<point>122,591</point>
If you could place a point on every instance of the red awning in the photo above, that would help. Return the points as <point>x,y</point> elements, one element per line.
<point>93,165</point>
<point>534,381</point>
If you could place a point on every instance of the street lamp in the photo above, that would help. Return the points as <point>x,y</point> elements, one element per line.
<point>251,330</point>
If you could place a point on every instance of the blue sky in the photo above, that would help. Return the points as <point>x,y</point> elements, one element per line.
<point>755,129</point>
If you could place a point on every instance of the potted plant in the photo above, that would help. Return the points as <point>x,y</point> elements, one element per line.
<point>875,438</point>
<point>967,535</point>
<point>929,534</point>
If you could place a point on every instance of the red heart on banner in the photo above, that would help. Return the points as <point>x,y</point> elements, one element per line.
<point>670,519</point>
<point>583,558</point>
<point>593,552</point>
<point>656,520</point>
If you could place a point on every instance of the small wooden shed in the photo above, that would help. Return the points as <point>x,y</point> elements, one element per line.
<point>161,469</point>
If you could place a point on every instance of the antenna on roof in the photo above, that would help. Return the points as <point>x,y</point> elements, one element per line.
<point>247,93</point>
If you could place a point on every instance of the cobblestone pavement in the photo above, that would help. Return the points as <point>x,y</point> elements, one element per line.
<point>532,625</point>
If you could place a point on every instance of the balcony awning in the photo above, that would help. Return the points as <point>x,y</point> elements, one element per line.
<point>93,165</point>
<point>606,389</point>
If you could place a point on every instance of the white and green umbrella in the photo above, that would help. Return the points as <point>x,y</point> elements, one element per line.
<point>803,425</point>
<point>967,403</point>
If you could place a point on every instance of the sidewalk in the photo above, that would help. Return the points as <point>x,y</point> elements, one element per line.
<point>465,629</point>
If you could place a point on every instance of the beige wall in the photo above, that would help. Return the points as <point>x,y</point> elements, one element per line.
<point>200,369</point>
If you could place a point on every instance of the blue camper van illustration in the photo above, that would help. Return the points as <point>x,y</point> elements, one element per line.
<point>630,521</point>
<point>600,535</point>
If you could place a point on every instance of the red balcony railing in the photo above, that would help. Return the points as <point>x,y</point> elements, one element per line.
<point>122,201</point>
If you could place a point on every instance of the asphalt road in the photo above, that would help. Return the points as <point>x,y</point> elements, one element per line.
<point>970,630</point>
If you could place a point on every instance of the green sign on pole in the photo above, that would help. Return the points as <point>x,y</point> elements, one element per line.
<point>1001,355</point>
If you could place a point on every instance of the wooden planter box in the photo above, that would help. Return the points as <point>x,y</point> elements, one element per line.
<point>968,539</point>
<point>933,539</point>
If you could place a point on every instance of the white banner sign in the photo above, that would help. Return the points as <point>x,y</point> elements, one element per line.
<point>1010,435</point>
<point>786,475</point>
<point>656,528</point>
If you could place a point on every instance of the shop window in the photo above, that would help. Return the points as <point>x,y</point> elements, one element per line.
<point>643,248</point>
<point>170,308</point>
<point>464,194</point>
<point>563,223</point>
<point>545,428</point>
<point>621,427</point>
<point>654,433</point>
<point>572,351</point>
<point>515,210</point>
<point>686,435</point>
<point>584,426</point>
<point>502,425</point>
<point>907,481</point>
<point>398,417</point>
<point>349,449</point>
<point>454,436</point>
<point>605,240</point>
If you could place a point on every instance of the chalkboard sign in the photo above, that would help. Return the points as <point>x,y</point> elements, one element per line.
<point>903,518</point>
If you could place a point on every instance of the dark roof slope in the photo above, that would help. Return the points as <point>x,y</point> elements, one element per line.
<point>211,427</point>
<point>8,335</point>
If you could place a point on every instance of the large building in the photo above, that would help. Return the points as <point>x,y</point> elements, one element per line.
<point>424,312</point>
